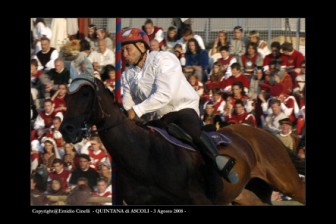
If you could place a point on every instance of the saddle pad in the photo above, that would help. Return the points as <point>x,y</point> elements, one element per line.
<point>172,139</point>
<point>218,138</point>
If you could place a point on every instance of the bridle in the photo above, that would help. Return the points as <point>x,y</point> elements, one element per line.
<point>85,129</point>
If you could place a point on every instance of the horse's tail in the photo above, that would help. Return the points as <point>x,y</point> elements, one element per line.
<point>300,164</point>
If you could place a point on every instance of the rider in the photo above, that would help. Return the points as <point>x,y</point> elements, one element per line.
<point>154,83</point>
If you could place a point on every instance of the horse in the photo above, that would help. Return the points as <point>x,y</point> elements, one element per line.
<point>152,171</point>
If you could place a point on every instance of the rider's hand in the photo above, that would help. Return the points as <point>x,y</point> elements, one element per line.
<point>131,114</point>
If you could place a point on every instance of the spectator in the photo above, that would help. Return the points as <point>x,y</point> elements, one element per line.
<point>154,45</point>
<point>196,84</point>
<point>108,77</point>
<point>171,38</point>
<point>103,56</point>
<point>276,56</point>
<point>217,101</point>
<point>226,61</point>
<point>92,37</point>
<point>289,139</point>
<point>49,155</point>
<point>294,61</point>
<point>44,119</point>
<point>84,170</point>
<point>70,158</point>
<point>85,50</point>
<point>97,152</point>
<point>60,173</point>
<point>238,93</point>
<point>237,76</point>
<point>271,122</point>
<point>37,187</point>
<point>102,35</point>
<point>103,190</point>
<point>46,56</point>
<point>238,43</point>
<point>40,30</point>
<point>59,98</point>
<point>300,83</point>
<point>59,33</point>
<point>104,170</point>
<point>240,116</point>
<point>55,134</point>
<point>36,84</point>
<point>220,41</point>
<point>197,60</point>
<point>257,78</point>
<point>81,193</point>
<point>262,45</point>
<point>154,32</point>
<point>216,77</point>
<point>187,34</point>
<point>250,59</point>
<point>180,54</point>
<point>58,75</point>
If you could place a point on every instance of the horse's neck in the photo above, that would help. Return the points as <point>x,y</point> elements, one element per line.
<point>124,140</point>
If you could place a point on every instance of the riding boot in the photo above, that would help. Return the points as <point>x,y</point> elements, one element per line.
<point>224,163</point>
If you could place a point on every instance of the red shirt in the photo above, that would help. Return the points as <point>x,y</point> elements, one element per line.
<point>232,79</point>
<point>59,102</point>
<point>63,176</point>
<point>295,59</point>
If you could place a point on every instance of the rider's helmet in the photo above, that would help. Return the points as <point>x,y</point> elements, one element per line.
<point>133,35</point>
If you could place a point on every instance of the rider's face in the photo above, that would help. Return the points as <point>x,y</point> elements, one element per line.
<point>131,53</point>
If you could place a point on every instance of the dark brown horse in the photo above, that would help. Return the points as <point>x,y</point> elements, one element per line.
<point>154,172</point>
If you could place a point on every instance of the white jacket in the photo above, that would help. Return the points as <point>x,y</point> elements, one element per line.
<point>160,86</point>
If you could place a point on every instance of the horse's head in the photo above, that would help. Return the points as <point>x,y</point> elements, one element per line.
<point>81,109</point>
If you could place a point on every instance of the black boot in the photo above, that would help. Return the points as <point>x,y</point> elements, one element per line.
<point>223,163</point>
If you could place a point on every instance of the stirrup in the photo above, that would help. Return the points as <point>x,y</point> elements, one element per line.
<point>225,165</point>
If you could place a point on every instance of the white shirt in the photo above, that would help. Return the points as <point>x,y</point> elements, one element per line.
<point>159,87</point>
<point>108,57</point>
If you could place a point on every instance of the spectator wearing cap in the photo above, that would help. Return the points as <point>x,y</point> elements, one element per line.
<point>276,56</point>
<point>226,61</point>
<point>271,122</point>
<point>60,173</point>
<point>84,170</point>
<point>286,136</point>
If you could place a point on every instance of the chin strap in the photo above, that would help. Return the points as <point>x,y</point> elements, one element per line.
<point>142,54</point>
